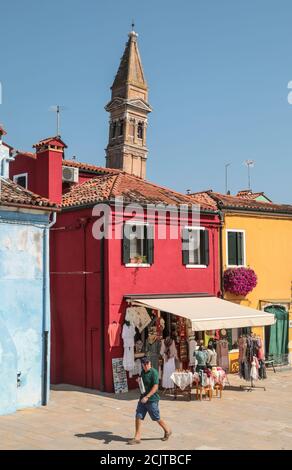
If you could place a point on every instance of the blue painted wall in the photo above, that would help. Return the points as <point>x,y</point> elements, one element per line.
<point>24,308</point>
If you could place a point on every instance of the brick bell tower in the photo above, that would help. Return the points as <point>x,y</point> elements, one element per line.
<point>128,110</point>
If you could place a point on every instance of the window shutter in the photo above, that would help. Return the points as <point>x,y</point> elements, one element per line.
<point>232,251</point>
<point>239,248</point>
<point>185,252</point>
<point>150,243</point>
<point>126,244</point>
<point>204,247</point>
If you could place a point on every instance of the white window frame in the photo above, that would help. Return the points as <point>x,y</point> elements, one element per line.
<point>244,249</point>
<point>137,265</point>
<point>195,266</point>
<point>19,176</point>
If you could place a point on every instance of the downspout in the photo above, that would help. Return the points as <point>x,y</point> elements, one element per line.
<point>221,218</point>
<point>83,224</point>
<point>102,314</point>
<point>46,312</point>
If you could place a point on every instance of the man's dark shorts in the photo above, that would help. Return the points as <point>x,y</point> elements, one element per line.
<point>151,407</point>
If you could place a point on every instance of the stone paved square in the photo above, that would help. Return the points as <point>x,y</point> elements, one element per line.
<point>79,418</point>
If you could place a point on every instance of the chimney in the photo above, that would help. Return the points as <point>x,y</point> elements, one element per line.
<point>5,155</point>
<point>49,157</point>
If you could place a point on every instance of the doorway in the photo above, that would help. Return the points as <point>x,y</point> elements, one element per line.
<point>276,336</point>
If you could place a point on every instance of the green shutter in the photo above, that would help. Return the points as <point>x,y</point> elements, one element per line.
<point>232,248</point>
<point>204,246</point>
<point>126,244</point>
<point>239,248</point>
<point>185,252</point>
<point>150,243</point>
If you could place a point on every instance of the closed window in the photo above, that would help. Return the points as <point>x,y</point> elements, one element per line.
<point>195,246</point>
<point>235,248</point>
<point>138,244</point>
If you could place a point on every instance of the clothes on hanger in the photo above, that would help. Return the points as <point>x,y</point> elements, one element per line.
<point>138,316</point>
<point>152,350</point>
<point>169,353</point>
<point>192,343</point>
<point>222,354</point>
<point>114,333</point>
<point>128,334</point>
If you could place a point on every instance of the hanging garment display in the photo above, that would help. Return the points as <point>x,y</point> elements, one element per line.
<point>139,345</point>
<point>169,353</point>
<point>242,346</point>
<point>137,368</point>
<point>152,349</point>
<point>251,358</point>
<point>222,354</point>
<point>183,351</point>
<point>138,316</point>
<point>114,333</point>
<point>128,334</point>
<point>192,350</point>
<point>254,369</point>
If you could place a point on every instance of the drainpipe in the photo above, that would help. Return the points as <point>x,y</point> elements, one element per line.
<point>221,218</point>
<point>102,313</point>
<point>46,313</point>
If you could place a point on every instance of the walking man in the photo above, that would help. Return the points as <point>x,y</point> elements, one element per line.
<point>149,402</point>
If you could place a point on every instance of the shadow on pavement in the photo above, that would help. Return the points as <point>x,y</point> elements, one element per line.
<point>131,395</point>
<point>105,436</point>
<point>108,437</point>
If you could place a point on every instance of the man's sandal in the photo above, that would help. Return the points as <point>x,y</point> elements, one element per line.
<point>167,436</point>
<point>134,441</point>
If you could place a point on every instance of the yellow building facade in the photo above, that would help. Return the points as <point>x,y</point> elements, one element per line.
<point>257,234</point>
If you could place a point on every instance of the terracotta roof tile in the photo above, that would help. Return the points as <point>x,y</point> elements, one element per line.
<point>234,202</point>
<point>131,188</point>
<point>89,167</point>
<point>204,198</point>
<point>247,194</point>
<point>14,195</point>
<point>50,139</point>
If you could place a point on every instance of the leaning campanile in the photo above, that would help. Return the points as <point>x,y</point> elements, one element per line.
<point>128,110</point>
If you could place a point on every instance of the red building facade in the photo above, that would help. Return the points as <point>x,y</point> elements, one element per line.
<point>90,279</point>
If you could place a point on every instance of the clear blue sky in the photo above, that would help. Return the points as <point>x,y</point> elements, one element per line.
<point>217,71</point>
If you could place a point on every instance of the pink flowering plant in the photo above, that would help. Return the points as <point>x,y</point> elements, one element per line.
<point>240,281</point>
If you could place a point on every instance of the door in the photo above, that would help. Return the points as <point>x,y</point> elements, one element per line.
<point>276,336</point>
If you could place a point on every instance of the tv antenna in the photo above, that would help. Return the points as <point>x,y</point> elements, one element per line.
<point>226,177</point>
<point>57,109</point>
<point>249,164</point>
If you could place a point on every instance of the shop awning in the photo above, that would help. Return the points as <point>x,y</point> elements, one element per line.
<point>209,313</point>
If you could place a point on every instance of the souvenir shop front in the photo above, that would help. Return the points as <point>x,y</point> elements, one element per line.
<point>189,333</point>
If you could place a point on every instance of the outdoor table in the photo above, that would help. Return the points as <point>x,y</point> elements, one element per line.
<point>182,383</point>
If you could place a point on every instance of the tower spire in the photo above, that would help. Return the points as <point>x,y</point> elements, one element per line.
<point>128,110</point>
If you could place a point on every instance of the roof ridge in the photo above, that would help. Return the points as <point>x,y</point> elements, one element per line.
<point>115,184</point>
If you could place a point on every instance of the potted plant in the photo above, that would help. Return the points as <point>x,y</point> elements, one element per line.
<point>239,281</point>
<point>139,259</point>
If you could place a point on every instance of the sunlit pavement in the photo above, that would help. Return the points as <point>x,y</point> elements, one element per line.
<point>84,419</point>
